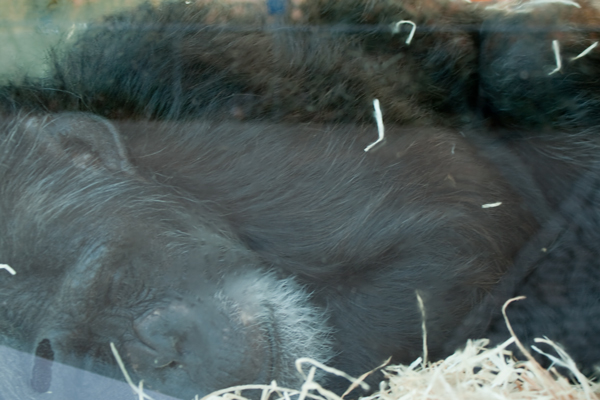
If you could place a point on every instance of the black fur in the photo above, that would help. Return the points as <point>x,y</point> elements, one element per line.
<point>180,233</point>
<point>276,241</point>
<point>171,62</point>
<point>562,290</point>
<point>519,87</point>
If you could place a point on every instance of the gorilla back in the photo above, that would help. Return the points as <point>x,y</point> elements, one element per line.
<point>214,254</point>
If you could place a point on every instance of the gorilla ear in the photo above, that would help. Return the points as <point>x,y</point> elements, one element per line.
<point>87,139</point>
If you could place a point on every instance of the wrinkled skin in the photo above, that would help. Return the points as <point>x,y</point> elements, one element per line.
<point>215,254</point>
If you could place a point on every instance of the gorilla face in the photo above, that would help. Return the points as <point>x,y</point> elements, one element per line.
<point>103,255</point>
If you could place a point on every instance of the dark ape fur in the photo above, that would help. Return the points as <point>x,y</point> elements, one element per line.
<point>554,121</point>
<point>562,290</point>
<point>220,252</point>
<point>290,239</point>
<point>179,60</point>
<point>553,132</point>
<point>173,61</point>
<point>518,85</point>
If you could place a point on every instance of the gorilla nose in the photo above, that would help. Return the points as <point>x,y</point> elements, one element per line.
<point>169,336</point>
<point>196,345</point>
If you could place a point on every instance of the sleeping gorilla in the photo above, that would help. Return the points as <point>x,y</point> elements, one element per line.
<point>213,251</point>
<point>214,254</point>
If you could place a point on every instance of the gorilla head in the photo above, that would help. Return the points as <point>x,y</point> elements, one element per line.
<point>172,288</point>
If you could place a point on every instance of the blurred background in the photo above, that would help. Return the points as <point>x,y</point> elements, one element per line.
<point>29,27</point>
